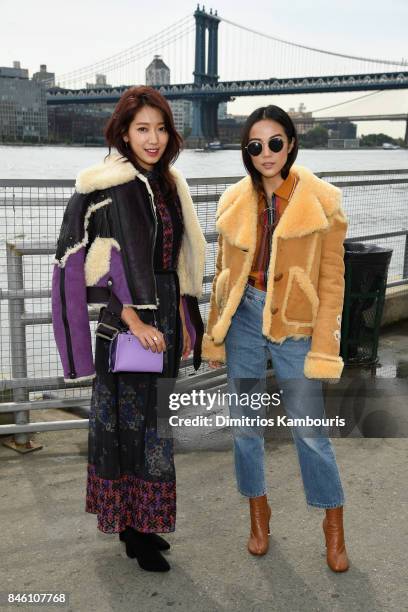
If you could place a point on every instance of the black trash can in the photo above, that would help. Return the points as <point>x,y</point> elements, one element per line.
<point>366,271</point>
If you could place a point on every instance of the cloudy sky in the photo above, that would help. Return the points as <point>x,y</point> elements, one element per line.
<point>68,36</point>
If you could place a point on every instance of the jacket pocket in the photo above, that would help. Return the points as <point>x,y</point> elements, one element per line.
<point>301,302</point>
<point>221,288</point>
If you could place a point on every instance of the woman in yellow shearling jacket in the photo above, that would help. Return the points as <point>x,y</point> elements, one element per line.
<point>278,293</point>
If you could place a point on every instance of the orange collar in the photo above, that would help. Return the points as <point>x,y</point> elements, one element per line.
<point>285,191</point>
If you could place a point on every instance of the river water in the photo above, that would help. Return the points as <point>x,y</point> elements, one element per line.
<point>369,210</point>
<point>26,162</point>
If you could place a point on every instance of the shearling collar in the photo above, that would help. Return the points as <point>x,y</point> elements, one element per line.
<point>311,203</point>
<point>117,171</point>
<point>114,170</point>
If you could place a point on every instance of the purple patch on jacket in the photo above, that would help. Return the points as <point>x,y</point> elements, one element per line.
<point>57,323</point>
<point>190,327</point>
<point>117,273</point>
<point>71,291</point>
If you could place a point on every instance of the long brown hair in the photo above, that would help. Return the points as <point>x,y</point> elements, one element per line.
<point>280,116</point>
<point>129,104</point>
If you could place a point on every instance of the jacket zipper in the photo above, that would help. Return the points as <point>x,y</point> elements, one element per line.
<point>155,219</point>
<point>122,241</point>
<point>154,240</point>
<point>72,371</point>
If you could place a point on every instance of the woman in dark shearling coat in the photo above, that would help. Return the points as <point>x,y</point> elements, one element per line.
<point>130,229</point>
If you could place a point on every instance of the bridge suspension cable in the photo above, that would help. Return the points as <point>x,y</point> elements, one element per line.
<point>315,49</point>
<point>373,93</point>
<point>249,54</point>
<point>244,54</point>
<point>114,65</point>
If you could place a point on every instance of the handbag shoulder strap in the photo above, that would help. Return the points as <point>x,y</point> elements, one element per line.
<point>109,325</point>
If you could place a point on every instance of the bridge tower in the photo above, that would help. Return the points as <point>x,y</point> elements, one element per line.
<point>205,110</point>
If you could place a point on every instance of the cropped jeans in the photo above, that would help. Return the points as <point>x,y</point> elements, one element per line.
<point>247,352</point>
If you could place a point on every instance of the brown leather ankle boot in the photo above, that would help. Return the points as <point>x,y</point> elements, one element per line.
<point>336,549</point>
<point>260,511</point>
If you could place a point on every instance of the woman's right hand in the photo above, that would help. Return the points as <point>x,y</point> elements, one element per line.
<point>215,364</point>
<point>149,336</point>
<point>145,333</point>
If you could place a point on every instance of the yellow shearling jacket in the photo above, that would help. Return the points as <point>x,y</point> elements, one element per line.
<point>305,288</point>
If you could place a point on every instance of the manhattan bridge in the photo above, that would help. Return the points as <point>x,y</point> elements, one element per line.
<point>215,60</point>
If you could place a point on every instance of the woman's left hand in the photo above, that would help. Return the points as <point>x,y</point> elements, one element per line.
<point>186,343</point>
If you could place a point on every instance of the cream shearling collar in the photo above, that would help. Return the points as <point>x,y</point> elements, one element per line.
<point>313,201</point>
<point>114,170</point>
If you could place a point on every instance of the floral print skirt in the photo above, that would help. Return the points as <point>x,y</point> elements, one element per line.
<point>130,476</point>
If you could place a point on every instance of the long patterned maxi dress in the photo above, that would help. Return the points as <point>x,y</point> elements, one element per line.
<point>131,475</point>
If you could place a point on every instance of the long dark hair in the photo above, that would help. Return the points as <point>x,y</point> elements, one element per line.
<point>129,104</point>
<point>280,116</point>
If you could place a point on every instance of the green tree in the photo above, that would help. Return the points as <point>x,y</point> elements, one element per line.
<point>376,140</point>
<point>316,137</point>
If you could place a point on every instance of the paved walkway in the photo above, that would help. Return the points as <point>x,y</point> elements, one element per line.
<point>48,543</point>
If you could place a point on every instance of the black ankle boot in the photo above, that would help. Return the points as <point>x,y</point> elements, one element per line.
<point>140,547</point>
<point>158,541</point>
<point>124,537</point>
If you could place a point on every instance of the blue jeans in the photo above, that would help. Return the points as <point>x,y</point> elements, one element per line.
<point>247,352</point>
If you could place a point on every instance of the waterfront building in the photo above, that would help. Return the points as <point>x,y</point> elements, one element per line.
<point>341,130</point>
<point>157,74</point>
<point>78,123</point>
<point>23,106</point>
<point>183,116</point>
<point>222,110</point>
<point>14,72</point>
<point>303,119</point>
<point>343,143</point>
<point>230,129</point>
<point>48,78</point>
<point>100,82</point>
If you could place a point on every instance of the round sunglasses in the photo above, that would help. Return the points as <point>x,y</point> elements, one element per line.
<point>255,147</point>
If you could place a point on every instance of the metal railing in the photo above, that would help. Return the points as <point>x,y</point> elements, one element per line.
<point>33,237</point>
<point>378,183</point>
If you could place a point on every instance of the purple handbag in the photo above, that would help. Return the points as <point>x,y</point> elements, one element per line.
<point>126,354</point>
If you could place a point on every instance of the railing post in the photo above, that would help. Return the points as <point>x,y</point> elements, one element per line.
<point>405,262</point>
<point>15,278</point>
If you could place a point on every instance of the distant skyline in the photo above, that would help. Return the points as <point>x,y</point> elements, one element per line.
<point>69,36</point>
